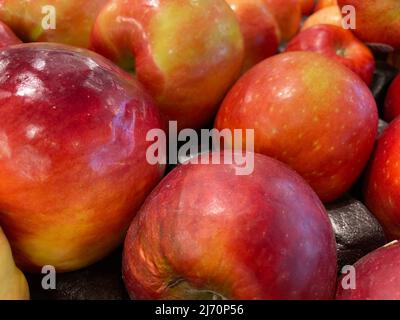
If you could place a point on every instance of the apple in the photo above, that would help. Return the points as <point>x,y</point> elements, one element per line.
<point>339,44</point>
<point>392,103</point>
<point>7,36</point>
<point>196,237</point>
<point>73,168</point>
<point>288,15</point>
<point>33,20</point>
<point>260,30</point>
<point>186,53</point>
<point>378,21</point>
<point>307,6</point>
<point>329,15</point>
<point>381,187</point>
<point>13,285</point>
<point>377,276</point>
<point>325,3</point>
<point>394,59</point>
<point>310,112</point>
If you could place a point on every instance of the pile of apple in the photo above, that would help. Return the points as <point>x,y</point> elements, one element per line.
<point>76,104</point>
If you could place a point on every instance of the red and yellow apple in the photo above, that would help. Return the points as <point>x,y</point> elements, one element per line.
<point>325,3</point>
<point>260,30</point>
<point>329,15</point>
<point>73,167</point>
<point>339,44</point>
<point>31,20</point>
<point>392,104</point>
<point>377,276</point>
<point>7,36</point>
<point>288,15</point>
<point>378,21</point>
<point>198,237</point>
<point>310,112</point>
<point>382,183</point>
<point>13,285</point>
<point>186,53</point>
<point>307,6</point>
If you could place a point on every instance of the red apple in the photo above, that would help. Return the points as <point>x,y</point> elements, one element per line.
<point>377,276</point>
<point>32,20</point>
<point>378,21</point>
<point>307,6</point>
<point>7,37</point>
<point>196,237</point>
<point>186,53</point>
<point>394,59</point>
<point>329,15</point>
<point>325,3</point>
<point>392,103</point>
<point>382,185</point>
<point>310,112</point>
<point>339,44</point>
<point>288,15</point>
<point>73,168</point>
<point>259,28</point>
<point>13,285</point>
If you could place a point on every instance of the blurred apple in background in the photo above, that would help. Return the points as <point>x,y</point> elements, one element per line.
<point>325,3</point>
<point>339,44</point>
<point>310,112</point>
<point>382,184</point>
<point>392,103</point>
<point>73,19</point>
<point>377,276</point>
<point>288,15</point>
<point>259,28</point>
<point>197,237</point>
<point>378,21</point>
<point>73,168</point>
<point>329,15</point>
<point>307,6</point>
<point>186,53</point>
<point>13,285</point>
<point>7,36</point>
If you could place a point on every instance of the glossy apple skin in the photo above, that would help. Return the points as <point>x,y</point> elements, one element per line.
<point>13,285</point>
<point>307,6</point>
<point>377,276</point>
<point>381,188</point>
<point>378,21</point>
<point>288,15</point>
<point>268,238</point>
<point>74,20</point>
<point>73,168</point>
<point>392,103</point>
<point>7,36</point>
<point>339,44</point>
<point>259,28</point>
<point>310,112</point>
<point>186,53</point>
<point>325,3</point>
<point>329,15</point>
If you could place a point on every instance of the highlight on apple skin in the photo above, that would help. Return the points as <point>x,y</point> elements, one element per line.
<point>205,232</point>
<point>73,168</point>
<point>309,112</point>
<point>13,285</point>
<point>73,19</point>
<point>339,44</point>
<point>377,276</point>
<point>186,53</point>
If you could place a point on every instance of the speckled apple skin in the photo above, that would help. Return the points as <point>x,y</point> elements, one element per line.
<point>73,168</point>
